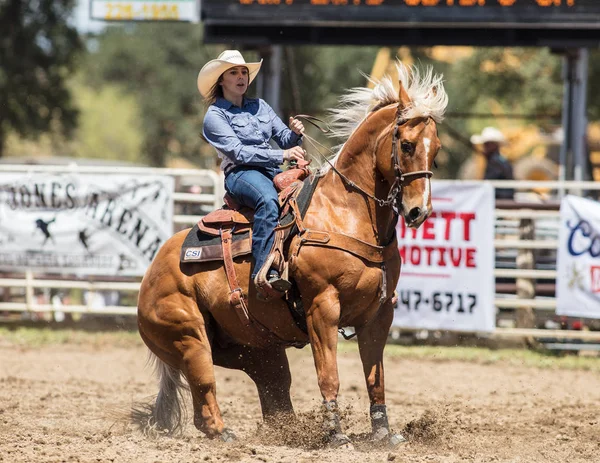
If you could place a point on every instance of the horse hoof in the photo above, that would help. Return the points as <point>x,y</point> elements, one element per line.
<point>396,439</point>
<point>340,441</point>
<point>228,436</point>
<point>380,435</point>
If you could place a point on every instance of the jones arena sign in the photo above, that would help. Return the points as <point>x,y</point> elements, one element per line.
<point>83,223</point>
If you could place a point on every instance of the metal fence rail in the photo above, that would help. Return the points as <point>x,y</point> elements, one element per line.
<point>29,305</point>
<point>526,244</point>
<point>190,207</point>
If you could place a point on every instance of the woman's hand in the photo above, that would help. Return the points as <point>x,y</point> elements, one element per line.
<point>296,126</point>
<point>293,154</point>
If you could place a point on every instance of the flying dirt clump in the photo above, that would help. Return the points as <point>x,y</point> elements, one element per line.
<point>426,429</point>
<point>304,430</point>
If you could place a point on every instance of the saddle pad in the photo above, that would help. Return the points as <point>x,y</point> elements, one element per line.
<point>201,247</point>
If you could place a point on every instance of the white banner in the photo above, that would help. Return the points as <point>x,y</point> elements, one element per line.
<point>146,10</point>
<point>83,223</point>
<point>447,278</point>
<point>578,262</point>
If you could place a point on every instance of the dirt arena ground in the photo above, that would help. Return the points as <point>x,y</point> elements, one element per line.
<point>61,403</point>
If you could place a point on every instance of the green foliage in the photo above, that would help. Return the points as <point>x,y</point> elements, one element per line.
<point>314,77</point>
<point>108,128</point>
<point>157,64</point>
<point>37,50</point>
<point>109,124</point>
<point>138,98</point>
<point>520,79</point>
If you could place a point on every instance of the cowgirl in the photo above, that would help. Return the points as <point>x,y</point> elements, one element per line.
<point>240,129</point>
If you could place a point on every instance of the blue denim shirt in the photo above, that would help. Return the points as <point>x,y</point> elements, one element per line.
<point>241,135</point>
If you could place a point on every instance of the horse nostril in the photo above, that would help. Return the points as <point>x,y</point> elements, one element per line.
<point>414,214</point>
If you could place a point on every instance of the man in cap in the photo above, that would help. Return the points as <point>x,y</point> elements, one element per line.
<point>497,166</point>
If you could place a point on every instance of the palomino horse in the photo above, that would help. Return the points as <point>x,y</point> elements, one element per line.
<point>383,169</point>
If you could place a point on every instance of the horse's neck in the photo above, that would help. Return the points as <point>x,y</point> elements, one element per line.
<point>340,208</point>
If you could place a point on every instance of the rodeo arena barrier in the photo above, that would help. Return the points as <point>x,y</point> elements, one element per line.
<point>75,241</point>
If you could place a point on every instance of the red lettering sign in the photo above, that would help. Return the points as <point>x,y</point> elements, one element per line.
<point>440,224</point>
<point>439,256</point>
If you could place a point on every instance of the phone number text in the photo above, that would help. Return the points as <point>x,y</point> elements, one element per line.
<point>439,301</point>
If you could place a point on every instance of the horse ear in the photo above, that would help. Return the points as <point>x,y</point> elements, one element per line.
<point>403,97</point>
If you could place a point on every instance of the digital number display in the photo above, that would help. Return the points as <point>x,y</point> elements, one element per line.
<point>542,13</point>
<point>127,11</point>
<point>144,10</point>
<point>436,22</point>
<point>427,3</point>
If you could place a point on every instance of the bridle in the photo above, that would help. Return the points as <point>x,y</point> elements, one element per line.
<point>401,178</point>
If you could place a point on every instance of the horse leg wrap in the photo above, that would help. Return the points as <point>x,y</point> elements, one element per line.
<point>379,421</point>
<point>331,424</point>
<point>331,418</point>
<point>381,427</point>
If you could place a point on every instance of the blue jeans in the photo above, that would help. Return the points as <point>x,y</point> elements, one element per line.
<point>254,188</point>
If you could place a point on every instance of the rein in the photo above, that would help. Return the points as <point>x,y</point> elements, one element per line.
<point>367,251</point>
<point>401,178</point>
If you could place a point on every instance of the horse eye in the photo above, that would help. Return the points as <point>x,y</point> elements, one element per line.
<point>407,147</point>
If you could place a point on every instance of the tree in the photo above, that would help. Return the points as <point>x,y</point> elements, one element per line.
<point>107,128</point>
<point>520,79</point>
<point>38,46</point>
<point>314,77</point>
<point>158,63</point>
<point>109,124</point>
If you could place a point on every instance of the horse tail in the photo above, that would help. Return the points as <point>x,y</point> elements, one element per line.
<point>167,414</point>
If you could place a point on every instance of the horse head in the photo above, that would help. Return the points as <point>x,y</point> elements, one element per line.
<point>393,129</point>
<point>407,148</point>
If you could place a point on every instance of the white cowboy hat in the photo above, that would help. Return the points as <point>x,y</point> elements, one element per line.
<point>488,134</point>
<point>211,71</point>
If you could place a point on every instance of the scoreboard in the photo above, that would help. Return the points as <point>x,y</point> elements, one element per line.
<point>556,23</point>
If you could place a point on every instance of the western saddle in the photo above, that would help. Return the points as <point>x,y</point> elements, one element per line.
<point>234,219</point>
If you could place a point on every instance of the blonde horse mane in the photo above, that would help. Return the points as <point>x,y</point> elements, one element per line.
<point>425,89</point>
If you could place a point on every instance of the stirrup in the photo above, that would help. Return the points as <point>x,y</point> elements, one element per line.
<point>271,288</point>
<point>267,293</point>
<point>280,284</point>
